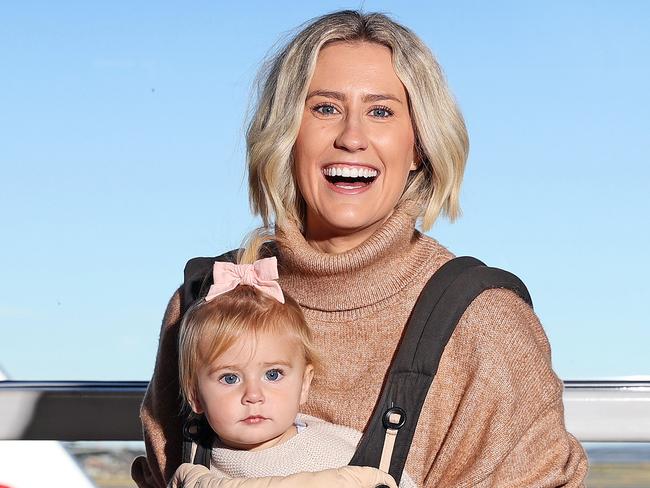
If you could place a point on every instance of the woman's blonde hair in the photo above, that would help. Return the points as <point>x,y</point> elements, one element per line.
<point>441,137</point>
<point>209,328</point>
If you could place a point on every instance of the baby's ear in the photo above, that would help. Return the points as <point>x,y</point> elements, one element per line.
<point>306,383</point>
<point>195,404</point>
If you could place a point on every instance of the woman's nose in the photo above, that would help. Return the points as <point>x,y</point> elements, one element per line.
<point>253,393</point>
<point>352,136</point>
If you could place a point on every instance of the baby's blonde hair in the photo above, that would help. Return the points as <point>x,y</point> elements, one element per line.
<point>209,328</point>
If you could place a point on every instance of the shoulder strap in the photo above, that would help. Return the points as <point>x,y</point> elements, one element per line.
<point>197,281</point>
<point>197,274</point>
<point>437,311</point>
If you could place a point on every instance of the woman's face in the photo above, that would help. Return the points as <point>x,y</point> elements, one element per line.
<point>356,143</point>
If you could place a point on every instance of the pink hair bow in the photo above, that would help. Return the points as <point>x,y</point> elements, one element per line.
<point>261,275</point>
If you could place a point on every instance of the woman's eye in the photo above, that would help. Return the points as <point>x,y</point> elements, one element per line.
<point>381,112</point>
<point>229,379</point>
<point>326,109</point>
<point>273,374</point>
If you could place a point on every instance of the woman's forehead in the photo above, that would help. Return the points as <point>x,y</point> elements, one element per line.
<point>363,68</point>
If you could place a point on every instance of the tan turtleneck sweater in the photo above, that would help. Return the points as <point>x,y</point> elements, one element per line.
<point>493,416</point>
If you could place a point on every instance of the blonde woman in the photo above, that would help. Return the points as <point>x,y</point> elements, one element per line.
<point>355,140</point>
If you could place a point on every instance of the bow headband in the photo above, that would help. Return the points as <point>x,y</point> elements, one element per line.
<point>260,275</point>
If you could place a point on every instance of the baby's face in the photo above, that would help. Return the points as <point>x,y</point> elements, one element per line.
<point>252,392</point>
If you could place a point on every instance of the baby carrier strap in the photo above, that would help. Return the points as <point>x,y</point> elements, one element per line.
<point>197,434</point>
<point>438,309</point>
<point>198,277</point>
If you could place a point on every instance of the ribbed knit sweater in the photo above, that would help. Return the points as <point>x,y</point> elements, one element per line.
<point>493,416</point>
<point>318,445</point>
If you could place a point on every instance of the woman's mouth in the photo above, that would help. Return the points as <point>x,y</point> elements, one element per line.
<point>349,178</point>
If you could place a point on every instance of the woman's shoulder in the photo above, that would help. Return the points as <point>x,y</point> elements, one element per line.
<point>502,345</point>
<point>495,311</point>
<point>502,315</point>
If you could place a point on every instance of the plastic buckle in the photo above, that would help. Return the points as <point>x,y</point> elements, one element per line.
<point>192,429</point>
<point>392,425</point>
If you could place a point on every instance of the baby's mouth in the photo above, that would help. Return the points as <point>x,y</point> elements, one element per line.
<point>254,419</point>
<point>350,177</point>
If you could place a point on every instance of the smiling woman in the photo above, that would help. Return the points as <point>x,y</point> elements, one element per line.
<point>355,147</point>
<point>355,139</point>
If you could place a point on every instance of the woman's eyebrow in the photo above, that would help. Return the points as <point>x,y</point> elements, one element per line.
<point>327,94</point>
<point>372,97</point>
<point>367,98</point>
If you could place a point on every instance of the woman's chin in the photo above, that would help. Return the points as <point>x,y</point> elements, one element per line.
<point>356,226</point>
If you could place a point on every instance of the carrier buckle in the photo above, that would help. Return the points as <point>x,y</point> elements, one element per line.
<point>394,419</point>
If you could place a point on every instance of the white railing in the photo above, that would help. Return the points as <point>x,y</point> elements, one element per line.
<point>595,411</point>
<point>608,411</point>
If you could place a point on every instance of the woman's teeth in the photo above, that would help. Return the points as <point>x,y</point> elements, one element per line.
<point>350,177</point>
<point>347,172</point>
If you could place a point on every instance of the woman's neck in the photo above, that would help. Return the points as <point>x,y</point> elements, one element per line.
<point>368,273</point>
<point>337,241</point>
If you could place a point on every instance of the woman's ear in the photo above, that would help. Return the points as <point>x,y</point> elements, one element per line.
<point>415,162</point>
<point>306,383</point>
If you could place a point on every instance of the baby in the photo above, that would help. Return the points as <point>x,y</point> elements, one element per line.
<point>246,361</point>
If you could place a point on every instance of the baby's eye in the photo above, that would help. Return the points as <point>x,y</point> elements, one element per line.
<point>273,374</point>
<point>325,109</point>
<point>381,112</point>
<point>229,379</point>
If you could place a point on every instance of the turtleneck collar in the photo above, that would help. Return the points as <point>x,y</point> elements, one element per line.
<point>373,271</point>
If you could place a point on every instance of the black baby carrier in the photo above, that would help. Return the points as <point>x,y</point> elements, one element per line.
<point>387,439</point>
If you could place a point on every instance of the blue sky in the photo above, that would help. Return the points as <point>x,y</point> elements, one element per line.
<point>121,152</point>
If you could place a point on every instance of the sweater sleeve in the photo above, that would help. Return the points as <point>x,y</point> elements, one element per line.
<point>558,459</point>
<point>160,409</point>
<point>505,425</point>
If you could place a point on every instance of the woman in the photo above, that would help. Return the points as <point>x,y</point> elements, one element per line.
<point>356,138</point>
